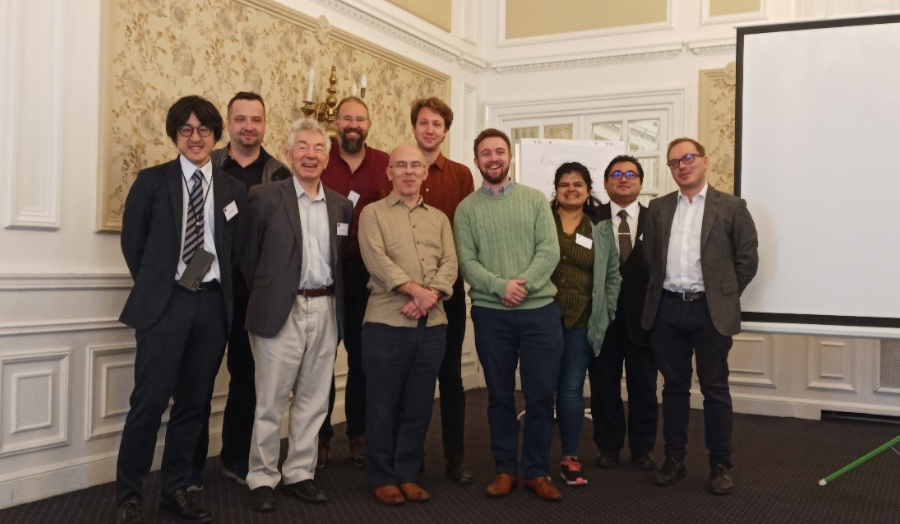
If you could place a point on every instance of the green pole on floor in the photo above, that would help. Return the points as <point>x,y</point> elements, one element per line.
<point>859,461</point>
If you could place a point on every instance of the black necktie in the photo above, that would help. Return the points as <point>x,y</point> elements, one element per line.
<point>624,236</point>
<point>193,234</point>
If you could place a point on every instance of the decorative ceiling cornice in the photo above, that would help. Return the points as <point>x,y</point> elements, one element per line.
<point>713,47</point>
<point>471,63</point>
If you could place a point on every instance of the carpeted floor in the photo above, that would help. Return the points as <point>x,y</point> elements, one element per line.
<point>778,465</point>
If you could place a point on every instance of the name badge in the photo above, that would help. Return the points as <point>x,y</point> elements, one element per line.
<point>353,197</point>
<point>343,229</point>
<point>230,210</point>
<point>583,241</point>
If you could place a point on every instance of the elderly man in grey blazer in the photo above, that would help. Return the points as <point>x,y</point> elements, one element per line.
<point>700,250</point>
<point>293,267</point>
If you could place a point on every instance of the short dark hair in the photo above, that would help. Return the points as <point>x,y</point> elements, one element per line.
<point>358,100</point>
<point>673,143</point>
<point>591,205</point>
<point>488,133</point>
<point>435,104</point>
<point>202,108</point>
<point>246,95</point>
<point>624,158</point>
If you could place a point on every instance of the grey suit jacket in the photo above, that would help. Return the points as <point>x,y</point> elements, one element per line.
<point>728,256</point>
<point>274,255</point>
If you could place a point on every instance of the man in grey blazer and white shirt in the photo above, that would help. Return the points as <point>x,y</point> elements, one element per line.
<point>297,240</point>
<point>700,249</point>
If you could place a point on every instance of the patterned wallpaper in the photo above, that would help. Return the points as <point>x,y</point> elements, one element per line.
<point>716,124</point>
<point>160,50</point>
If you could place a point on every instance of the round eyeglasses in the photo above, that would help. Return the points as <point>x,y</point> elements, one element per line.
<point>188,130</point>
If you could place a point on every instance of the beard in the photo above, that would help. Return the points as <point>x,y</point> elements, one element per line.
<point>495,180</point>
<point>352,146</point>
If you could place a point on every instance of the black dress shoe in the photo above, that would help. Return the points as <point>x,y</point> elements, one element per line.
<point>671,472</point>
<point>184,507</point>
<point>459,472</point>
<point>607,459</point>
<point>643,461</point>
<point>262,499</point>
<point>307,491</point>
<point>720,481</point>
<point>130,513</point>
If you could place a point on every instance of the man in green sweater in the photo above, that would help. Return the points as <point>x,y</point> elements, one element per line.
<point>507,249</point>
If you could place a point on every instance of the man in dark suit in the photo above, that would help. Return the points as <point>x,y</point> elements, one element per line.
<point>625,342</point>
<point>700,249</point>
<point>181,231</point>
<point>298,236</point>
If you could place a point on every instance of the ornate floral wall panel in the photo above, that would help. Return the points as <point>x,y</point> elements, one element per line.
<point>716,125</point>
<point>159,50</point>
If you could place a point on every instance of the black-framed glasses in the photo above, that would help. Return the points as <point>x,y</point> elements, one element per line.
<point>629,175</point>
<point>187,130</point>
<point>686,159</point>
<point>402,166</point>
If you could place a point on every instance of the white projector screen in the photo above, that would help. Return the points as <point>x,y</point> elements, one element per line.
<point>818,160</point>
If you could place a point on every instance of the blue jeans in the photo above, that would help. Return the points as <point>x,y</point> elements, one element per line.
<point>401,367</point>
<point>531,338</point>
<point>577,354</point>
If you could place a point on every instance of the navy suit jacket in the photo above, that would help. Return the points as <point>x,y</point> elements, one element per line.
<point>151,238</point>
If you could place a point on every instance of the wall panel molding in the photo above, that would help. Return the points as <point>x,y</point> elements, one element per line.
<point>34,96</point>
<point>593,59</point>
<point>831,365</point>
<point>34,409</point>
<point>753,361</point>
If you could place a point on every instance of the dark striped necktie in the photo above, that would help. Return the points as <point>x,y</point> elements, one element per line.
<point>193,234</point>
<point>624,236</point>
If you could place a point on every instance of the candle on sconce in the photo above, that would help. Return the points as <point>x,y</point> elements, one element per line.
<point>362,85</point>
<point>309,87</point>
<point>354,89</point>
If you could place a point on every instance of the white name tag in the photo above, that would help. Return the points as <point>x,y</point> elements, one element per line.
<point>343,229</point>
<point>583,241</point>
<point>354,197</point>
<point>230,210</point>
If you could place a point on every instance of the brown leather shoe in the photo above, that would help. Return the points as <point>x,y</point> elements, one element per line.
<point>501,486</point>
<point>389,495</point>
<point>413,492</point>
<point>544,489</point>
<point>358,452</point>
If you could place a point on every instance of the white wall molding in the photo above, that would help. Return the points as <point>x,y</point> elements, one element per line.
<point>589,59</point>
<point>831,365</point>
<point>35,97</point>
<point>471,64</point>
<point>60,280</point>
<point>718,46</point>
<point>34,408</point>
<point>706,19</point>
<point>753,361</point>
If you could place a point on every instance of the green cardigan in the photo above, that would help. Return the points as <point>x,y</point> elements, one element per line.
<point>607,281</point>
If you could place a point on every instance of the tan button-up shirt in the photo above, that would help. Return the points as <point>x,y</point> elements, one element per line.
<point>399,244</point>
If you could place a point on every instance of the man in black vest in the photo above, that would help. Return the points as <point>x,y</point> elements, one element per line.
<point>626,342</point>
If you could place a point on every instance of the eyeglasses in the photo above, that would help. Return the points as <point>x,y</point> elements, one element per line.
<point>629,175</point>
<point>401,166</point>
<point>687,159</point>
<point>188,130</point>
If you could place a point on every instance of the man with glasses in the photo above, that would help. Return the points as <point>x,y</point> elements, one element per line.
<point>625,341</point>
<point>245,159</point>
<point>448,183</point>
<point>183,229</point>
<point>408,248</point>
<point>700,249</point>
<point>298,237</point>
<point>355,170</point>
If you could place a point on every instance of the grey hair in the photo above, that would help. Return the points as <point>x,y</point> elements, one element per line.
<point>307,125</point>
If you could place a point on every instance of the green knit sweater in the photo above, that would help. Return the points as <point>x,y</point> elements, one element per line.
<point>500,238</point>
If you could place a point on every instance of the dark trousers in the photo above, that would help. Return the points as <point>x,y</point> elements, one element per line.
<point>683,329</point>
<point>453,395</point>
<point>237,424</point>
<point>356,296</point>
<point>607,408</point>
<point>533,339</point>
<point>177,358</point>
<point>401,366</point>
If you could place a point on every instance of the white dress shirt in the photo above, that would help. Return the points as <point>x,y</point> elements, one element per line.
<point>209,216</point>
<point>633,209</point>
<point>316,270</point>
<point>683,271</point>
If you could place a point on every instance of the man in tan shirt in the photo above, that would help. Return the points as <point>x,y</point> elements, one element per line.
<point>408,248</point>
